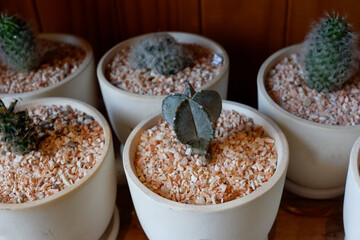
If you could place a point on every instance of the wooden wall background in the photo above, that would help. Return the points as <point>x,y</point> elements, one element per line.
<point>250,30</point>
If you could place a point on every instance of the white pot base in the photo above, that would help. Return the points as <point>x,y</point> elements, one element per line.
<point>313,193</point>
<point>112,230</point>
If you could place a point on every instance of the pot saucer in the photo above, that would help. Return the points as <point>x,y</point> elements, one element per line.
<point>313,193</point>
<point>112,230</point>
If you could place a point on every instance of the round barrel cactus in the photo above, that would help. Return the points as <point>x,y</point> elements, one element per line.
<point>330,54</point>
<point>161,53</point>
<point>17,44</point>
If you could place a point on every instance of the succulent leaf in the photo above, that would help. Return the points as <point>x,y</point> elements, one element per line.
<point>189,91</point>
<point>330,54</point>
<point>169,106</point>
<point>210,102</point>
<point>17,43</point>
<point>193,116</point>
<point>199,128</point>
<point>161,53</point>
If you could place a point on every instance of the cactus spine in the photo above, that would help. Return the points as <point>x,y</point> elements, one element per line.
<point>161,53</point>
<point>17,129</point>
<point>192,116</point>
<point>17,43</point>
<point>329,54</point>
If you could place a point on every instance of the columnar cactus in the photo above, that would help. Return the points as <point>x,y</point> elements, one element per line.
<point>17,130</point>
<point>161,53</point>
<point>192,116</point>
<point>330,54</point>
<point>17,43</point>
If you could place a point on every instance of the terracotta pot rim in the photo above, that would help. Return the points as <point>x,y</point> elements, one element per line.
<point>111,53</point>
<point>82,43</point>
<point>262,73</point>
<point>227,206</point>
<point>84,107</point>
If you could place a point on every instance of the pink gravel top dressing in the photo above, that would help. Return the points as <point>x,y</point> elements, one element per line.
<point>244,158</point>
<point>121,74</point>
<point>73,144</point>
<point>288,89</point>
<point>59,61</point>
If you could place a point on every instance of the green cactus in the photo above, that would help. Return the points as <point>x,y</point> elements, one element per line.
<point>192,116</point>
<point>161,53</point>
<point>17,129</point>
<point>329,54</point>
<point>17,43</point>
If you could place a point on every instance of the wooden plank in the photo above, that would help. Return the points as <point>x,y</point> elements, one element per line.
<point>290,226</point>
<point>55,15</point>
<point>258,24</point>
<point>138,17</point>
<point>91,19</point>
<point>301,14</point>
<point>308,219</point>
<point>250,31</point>
<point>24,8</point>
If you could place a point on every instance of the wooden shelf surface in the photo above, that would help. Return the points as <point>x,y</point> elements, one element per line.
<point>297,219</point>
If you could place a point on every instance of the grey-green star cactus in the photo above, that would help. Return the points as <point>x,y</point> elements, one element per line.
<point>17,43</point>
<point>193,116</point>
<point>330,54</point>
<point>161,53</point>
<point>17,129</point>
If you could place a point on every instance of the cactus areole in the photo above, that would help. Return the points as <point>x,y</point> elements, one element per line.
<point>330,54</point>
<point>193,116</point>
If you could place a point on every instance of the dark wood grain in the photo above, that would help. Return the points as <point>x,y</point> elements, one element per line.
<point>250,31</point>
<point>138,17</point>
<point>93,20</point>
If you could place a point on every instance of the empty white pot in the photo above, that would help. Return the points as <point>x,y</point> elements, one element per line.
<point>249,217</point>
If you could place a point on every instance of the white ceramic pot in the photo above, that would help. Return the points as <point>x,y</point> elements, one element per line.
<point>80,211</point>
<point>249,217</point>
<point>125,110</point>
<point>81,85</point>
<point>351,209</point>
<point>319,153</point>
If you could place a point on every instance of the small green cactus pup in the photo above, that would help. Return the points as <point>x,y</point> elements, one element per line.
<point>17,43</point>
<point>17,129</point>
<point>330,54</point>
<point>161,53</point>
<point>192,116</point>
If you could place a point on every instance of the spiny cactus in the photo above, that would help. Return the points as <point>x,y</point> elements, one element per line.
<point>330,54</point>
<point>17,129</point>
<point>17,43</point>
<point>192,116</point>
<point>161,53</point>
